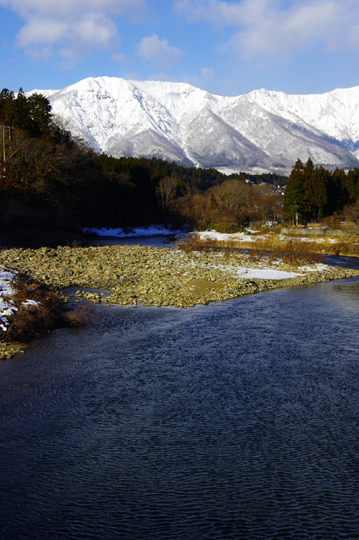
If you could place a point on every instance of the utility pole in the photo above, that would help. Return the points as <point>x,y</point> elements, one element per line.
<point>3,141</point>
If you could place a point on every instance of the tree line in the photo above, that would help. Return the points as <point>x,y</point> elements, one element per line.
<point>315,192</point>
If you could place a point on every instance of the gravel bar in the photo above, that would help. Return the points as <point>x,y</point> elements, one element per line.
<point>148,276</point>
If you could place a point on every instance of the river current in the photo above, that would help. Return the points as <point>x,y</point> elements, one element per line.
<point>237,420</point>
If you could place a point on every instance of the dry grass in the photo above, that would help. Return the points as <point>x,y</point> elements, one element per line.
<point>271,247</point>
<point>193,242</point>
<point>293,251</point>
<point>33,320</point>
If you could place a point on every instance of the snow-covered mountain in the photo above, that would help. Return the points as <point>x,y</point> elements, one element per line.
<point>175,121</point>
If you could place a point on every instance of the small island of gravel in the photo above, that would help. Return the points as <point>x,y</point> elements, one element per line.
<point>141,275</point>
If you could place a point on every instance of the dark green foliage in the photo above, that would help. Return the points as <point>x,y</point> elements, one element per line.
<point>294,197</point>
<point>267,178</point>
<point>313,193</point>
<point>31,115</point>
<point>190,179</point>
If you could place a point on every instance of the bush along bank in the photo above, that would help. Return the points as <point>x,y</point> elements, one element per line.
<point>28,309</point>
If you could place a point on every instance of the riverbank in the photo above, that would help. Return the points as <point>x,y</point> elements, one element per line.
<point>142,275</point>
<point>331,243</point>
<point>28,309</point>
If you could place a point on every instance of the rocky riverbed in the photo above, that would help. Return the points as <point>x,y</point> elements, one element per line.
<point>141,275</point>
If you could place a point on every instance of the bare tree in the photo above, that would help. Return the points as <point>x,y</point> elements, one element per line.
<point>351,215</point>
<point>232,198</point>
<point>166,192</point>
<point>266,203</point>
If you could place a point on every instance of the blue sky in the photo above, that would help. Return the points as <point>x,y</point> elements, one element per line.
<point>225,47</point>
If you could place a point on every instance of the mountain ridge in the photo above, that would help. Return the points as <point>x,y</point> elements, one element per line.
<point>260,130</point>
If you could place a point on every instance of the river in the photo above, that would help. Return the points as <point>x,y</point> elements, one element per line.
<point>237,420</point>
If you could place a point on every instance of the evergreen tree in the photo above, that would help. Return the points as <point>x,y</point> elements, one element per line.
<point>294,202</point>
<point>309,189</point>
<point>320,198</point>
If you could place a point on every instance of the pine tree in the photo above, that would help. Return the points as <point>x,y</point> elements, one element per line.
<point>320,195</point>
<point>294,194</point>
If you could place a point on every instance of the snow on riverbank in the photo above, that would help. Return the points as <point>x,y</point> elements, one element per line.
<point>264,273</point>
<point>261,270</point>
<point>151,230</point>
<point>6,309</point>
<point>253,236</point>
<point>224,237</point>
<point>267,272</point>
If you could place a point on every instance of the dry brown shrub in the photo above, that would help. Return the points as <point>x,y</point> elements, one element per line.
<point>348,246</point>
<point>297,253</point>
<point>255,254</point>
<point>333,222</point>
<point>351,213</point>
<point>33,320</point>
<point>193,242</point>
<point>292,252</point>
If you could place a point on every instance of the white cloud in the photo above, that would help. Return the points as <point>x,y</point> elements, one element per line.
<point>71,40</point>
<point>278,28</point>
<point>119,58</point>
<point>159,52</point>
<point>70,28</point>
<point>207,72</point>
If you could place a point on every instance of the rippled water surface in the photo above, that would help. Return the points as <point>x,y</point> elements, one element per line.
<point>230,421</point>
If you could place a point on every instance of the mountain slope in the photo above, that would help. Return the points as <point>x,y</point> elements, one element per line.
<point>175,121</point>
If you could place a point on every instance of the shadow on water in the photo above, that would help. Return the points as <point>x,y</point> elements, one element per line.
<point>151,241</point>
<point>230,421</point>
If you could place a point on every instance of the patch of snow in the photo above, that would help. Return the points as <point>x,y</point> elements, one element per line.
<point>224,237</point>
<point>264,273</point>
<point>30,303</point>
<point>6,309</point>
<point>314,268</point>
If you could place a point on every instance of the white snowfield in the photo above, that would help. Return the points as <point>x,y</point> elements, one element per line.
<point>262,130</point>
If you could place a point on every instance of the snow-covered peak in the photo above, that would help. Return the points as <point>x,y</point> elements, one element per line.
<point>334,113</point>
<point>177,121</point>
